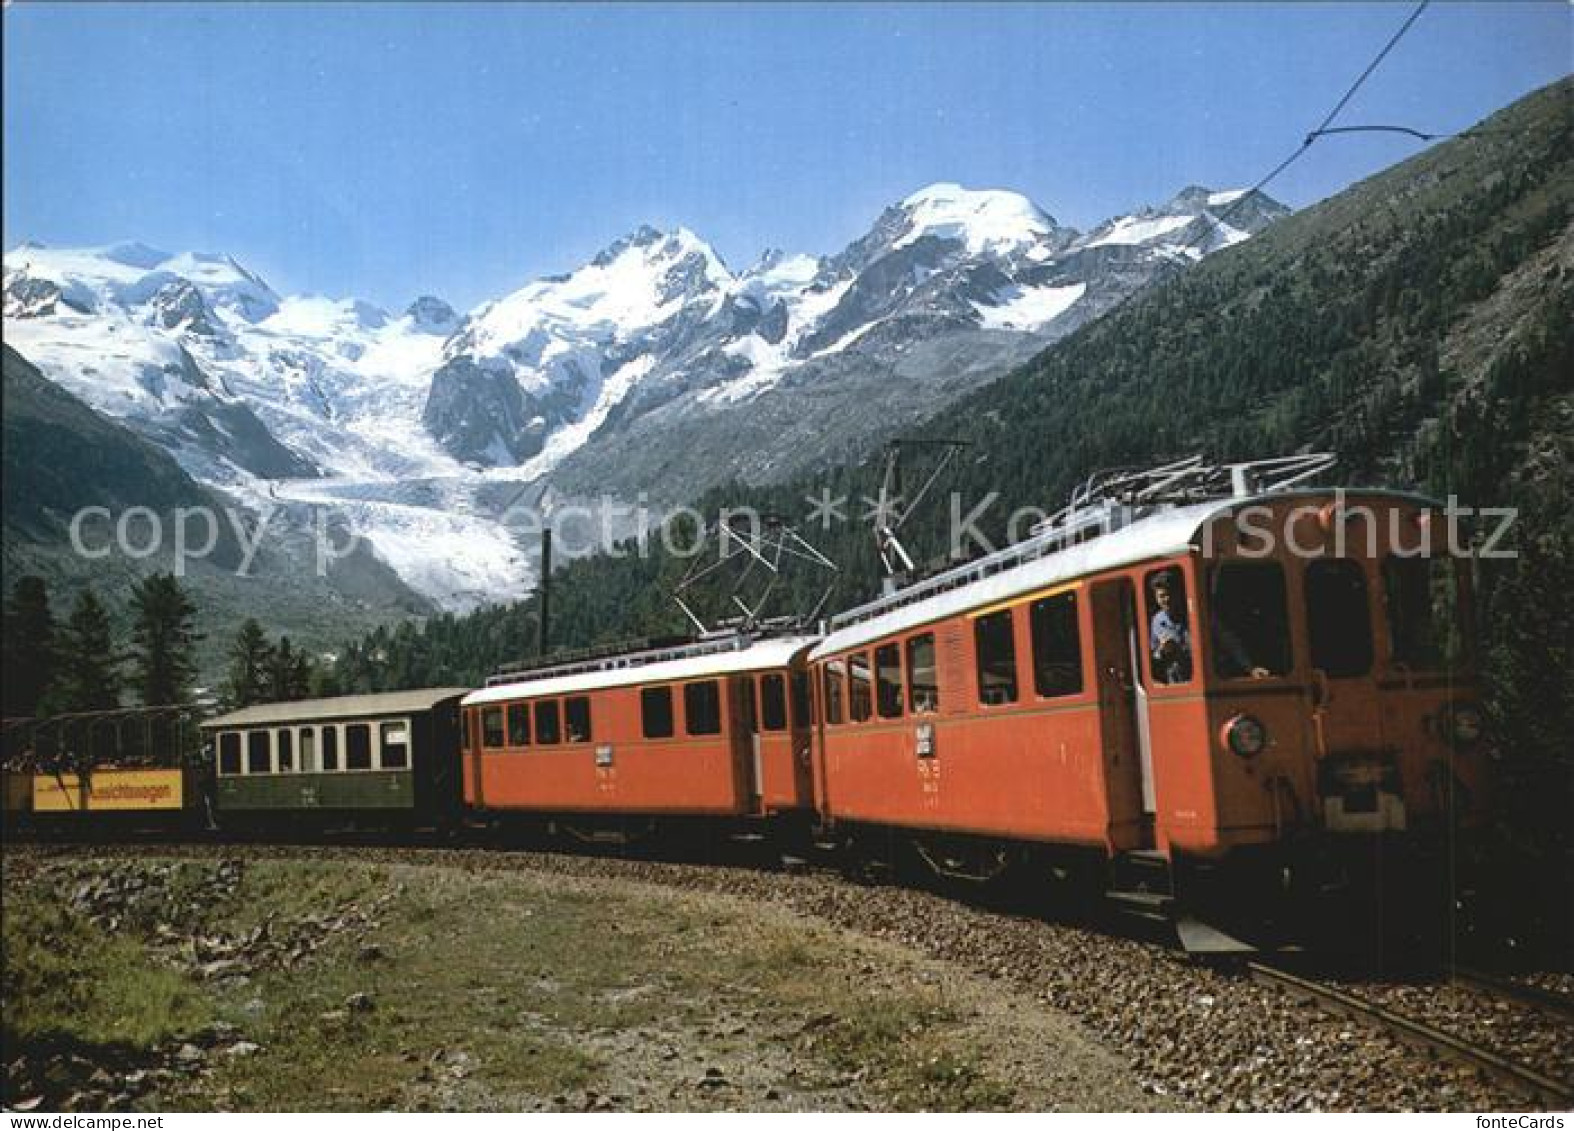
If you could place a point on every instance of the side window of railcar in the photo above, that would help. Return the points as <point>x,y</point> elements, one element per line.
<point>655,710</point>
<point>1168,628</point>
<point>396,745</point>
<point>549,722</point>
<point>702,707</point>
<point>330,748</point>
<point>229,753</point>
<point>358,746</point>
<point>286,751</point>
<point>1250,630</point>
<point>859,704</point>
<point>833,690</point>
<point>773,702</point>
<point>995,641</point>
<point>888,681</point>
<point>1420,597</point>
<point>308,747</point>
<point>1057,646</point>
<point>923,680</point>
<point>1338,617</point>
<point>802,702</point>
<point>492,726</point>
<point>519,724</point>
<point>259,758</point>
<point>576,715</point>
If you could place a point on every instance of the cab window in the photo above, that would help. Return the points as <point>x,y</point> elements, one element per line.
<point>655,709</point>
<point>1419,595</point>
<point>923,682</point>
<point>1057,646</point>
<point>1168,628</point>
<point>1338,617</point>
<point>994,641</point>
<point>1250,622</point>
<point>702,707</point>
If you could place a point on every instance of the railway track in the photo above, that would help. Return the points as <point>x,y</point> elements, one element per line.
<point>1556,1004</point>
<point>1428,1038</point>
<point>1114,982</point>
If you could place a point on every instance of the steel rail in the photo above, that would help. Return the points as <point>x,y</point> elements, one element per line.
<point>1548,1001</point>
<point>1418,1034</point>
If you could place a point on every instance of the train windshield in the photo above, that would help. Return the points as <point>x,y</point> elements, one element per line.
<point>1250,629</point>
<point>1423,625</point>
<point>1338,618</point>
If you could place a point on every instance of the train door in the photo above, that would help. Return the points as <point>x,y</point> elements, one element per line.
<point>1123,714</point>
<point>746,736</point>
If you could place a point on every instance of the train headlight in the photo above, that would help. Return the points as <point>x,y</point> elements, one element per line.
<point>1245,736</point>
<point>1464,725</point>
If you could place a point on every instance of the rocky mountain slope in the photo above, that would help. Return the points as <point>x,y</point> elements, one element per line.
<point>60,457</point>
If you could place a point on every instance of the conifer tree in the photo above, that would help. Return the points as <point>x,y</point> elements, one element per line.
<point>89,668</point>
<point>163,639</point>
<point>29,648</point>
<point>251,666</point>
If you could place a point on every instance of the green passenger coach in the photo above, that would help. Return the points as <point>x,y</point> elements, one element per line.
<point>374,759</point>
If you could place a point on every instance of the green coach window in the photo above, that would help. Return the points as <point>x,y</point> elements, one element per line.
<point>396,745</point>
<point>358,747</point>
<point>259,753</point>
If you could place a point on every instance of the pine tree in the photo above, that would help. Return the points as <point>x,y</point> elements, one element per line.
<point>289,673</point>
<point>29,648</point>
<point>89,669</point>
<point>162,640</point>
<point>251,660</point>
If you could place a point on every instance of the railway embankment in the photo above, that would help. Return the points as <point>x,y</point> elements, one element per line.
<point>256,978</point>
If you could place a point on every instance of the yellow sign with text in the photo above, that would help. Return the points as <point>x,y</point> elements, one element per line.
<point>108,791</point>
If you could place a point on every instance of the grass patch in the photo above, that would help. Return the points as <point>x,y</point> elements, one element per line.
<point>492,991</point>
<point>68,983</point>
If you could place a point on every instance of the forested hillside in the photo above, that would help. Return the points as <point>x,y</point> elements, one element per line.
<point>1419,324</point>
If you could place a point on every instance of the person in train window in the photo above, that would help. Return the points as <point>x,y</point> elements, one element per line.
<point>1169,637</point>
<point>1234,660</point>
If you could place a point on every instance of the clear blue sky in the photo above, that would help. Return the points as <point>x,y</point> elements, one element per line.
<point>385,151</point>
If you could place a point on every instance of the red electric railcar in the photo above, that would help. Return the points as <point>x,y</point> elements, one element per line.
<point>716,728</point>
<point>1266,686</point>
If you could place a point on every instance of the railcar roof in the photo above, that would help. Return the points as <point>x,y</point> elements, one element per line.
<point>1164,534</point>
<point>774,653</point>
<point>338,707</point>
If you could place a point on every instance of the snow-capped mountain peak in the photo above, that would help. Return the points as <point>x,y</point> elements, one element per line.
<point>985,221</point>
<point>650,367</point>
